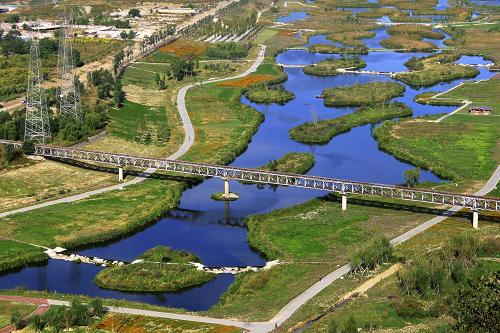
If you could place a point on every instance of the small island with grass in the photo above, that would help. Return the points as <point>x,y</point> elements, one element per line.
<point>329,67</point>
<point>362,94</point>
<point>332,49</point>
<point>265,94</point>
<point>321,132</point>
<point>160,269</point>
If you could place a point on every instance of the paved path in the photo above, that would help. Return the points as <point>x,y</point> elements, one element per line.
<point>42,307</point>
<point>186,145</point>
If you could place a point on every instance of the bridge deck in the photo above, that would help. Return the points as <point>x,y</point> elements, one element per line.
<point>268,177</point>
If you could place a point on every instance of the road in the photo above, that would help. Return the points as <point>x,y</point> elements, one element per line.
<point>42,307</point>
<point>186,145</point>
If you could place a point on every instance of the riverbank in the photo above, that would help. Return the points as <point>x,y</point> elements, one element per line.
<point>323,131</point>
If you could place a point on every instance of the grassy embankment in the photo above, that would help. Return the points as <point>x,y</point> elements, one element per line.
<point>221,137</point>
<point>371,96</point>
<point>163,269</point>
<point>409,37</point>
<point>330,67</point>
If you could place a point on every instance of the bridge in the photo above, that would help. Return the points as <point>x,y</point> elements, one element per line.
<point>227,173</point>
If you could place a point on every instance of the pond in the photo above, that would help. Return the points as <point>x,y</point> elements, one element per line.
<point>292,17</point>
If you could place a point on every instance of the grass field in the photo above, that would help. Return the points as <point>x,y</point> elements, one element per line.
<point>6,308</point>
<point>479,93</point>
<point>323,131</point>
<point>94,49</point>
<point>139,123</point>
<point>456,150</point>
<point>113,214</point>
<point>48,180</point>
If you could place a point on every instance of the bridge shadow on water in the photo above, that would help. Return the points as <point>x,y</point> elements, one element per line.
<point>410,208</point>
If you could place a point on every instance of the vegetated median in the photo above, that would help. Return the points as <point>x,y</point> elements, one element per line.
<point>362,94</point>
<point>323,131</point>
<point>162,269</point>
<point>329,67</point>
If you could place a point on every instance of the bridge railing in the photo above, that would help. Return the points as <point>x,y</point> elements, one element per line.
<point>277,178</point>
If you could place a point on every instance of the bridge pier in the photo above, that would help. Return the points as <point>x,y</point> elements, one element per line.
<point>120,174</point>
<point>226,187</point>
<point>475,219</point>
<point>344,202</point>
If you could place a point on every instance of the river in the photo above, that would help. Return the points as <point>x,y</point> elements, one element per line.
<point>214,230</point>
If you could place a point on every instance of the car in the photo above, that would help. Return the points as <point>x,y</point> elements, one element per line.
<point>1,106</point>
<point>23,101</point>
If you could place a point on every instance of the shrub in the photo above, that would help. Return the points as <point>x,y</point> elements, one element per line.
<point>412,177</point>
<point>476,304</point>
<point>333,326</point>
<point>372,255</point>
<point>16,319</point>
<point>350,326</point>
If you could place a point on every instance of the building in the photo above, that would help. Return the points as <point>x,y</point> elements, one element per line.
<point>480,110</point>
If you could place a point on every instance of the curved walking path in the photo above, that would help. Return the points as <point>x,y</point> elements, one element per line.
<point>186,145</point>
<point>41,303</point>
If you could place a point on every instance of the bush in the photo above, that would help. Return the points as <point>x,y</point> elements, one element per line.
<point>333,326</point>
<point>412,177</point>
<point>476,304</point>
<point>372,255</point>
<point>28,147</point>
<point>350,326</point>
<point>16,319</point>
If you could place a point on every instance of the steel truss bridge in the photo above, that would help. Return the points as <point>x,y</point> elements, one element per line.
<point>344,187</point>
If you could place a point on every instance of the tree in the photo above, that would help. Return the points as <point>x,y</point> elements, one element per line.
<point>16,319</point>
<point>134,12</point>
<point>97,307</point>
<point>28,147</point>
<point>476,304</point>
<point>412,177</point>
<point>119,95</point>
<point>37,323</point>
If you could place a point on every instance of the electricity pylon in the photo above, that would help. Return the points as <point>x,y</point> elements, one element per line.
<point>37,126</point>
<point>69,94</point>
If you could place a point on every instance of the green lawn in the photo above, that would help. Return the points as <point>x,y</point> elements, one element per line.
<point>139,123</point>
<point>10,254</point>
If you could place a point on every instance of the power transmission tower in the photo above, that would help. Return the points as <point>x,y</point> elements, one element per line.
<point>69,97</point>
<point>37,126</point>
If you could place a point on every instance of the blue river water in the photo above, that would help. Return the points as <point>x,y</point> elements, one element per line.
<point>214,230</point>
